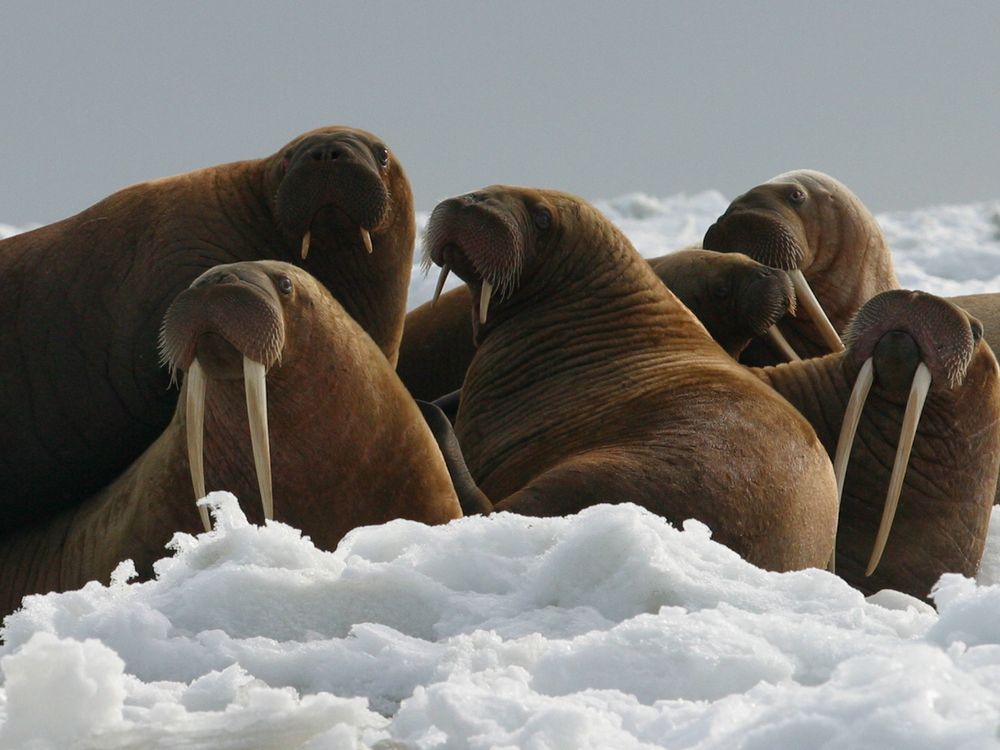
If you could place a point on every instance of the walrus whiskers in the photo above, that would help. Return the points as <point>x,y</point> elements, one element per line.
<point>914,406</point>
<point>805,295</point>
<point>256,393</point>
<point>194,416</point>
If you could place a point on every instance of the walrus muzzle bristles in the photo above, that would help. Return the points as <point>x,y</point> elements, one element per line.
<point>911,418</point>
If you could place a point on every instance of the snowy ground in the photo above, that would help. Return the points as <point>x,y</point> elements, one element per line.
<point>610,629</point>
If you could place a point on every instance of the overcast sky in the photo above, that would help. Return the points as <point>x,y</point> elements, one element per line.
<point>900,100</point>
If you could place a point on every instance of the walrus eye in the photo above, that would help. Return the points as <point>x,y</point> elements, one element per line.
<point>721,291</point>
<point>977,331</point>
<point>542,218</point>
<point>797,196</point>
<point>284,285</point>
<point>286,161</point>
<point>382,154</point>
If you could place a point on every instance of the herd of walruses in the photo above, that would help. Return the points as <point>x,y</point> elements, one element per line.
<point>775,383</point>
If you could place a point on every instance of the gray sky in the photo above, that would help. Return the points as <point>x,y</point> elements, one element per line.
<point>900,100</point>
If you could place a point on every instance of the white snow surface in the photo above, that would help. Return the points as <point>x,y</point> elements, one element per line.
<point>608,629</point>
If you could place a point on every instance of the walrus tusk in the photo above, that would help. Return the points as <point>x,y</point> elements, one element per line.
<point>484,301</point>
<point>306,238</point>
<point>440,284</point>
<point>256,392</point>
<point>194,416</point>
<point>366,240</point>
<point>815,310</point>
<point>855,405</point>
<point>781,344</point>
<point>914,406</point>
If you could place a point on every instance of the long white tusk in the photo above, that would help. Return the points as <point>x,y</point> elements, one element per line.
<point>440,284</point>
<point>366,240</point>
<point>811,304</point>
<point>484,301</point>
<point>306,239</point>
<point>781,344</point>
<point>855,405</point>
<point>914,406</point>
<point>194,415</point>
<point>256,391</point>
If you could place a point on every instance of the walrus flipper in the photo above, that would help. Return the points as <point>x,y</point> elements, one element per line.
<point>470,497</point>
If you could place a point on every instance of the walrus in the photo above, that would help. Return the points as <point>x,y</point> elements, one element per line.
<point>81,300</point>
<point>593,383</point>
<point>734,297</point>
<point>333,440</point>
<point>813,226</point>
<point>926,442</point>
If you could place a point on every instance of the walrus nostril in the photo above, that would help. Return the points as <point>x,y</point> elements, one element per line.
<point>216,277</point>
<point>328,152</point>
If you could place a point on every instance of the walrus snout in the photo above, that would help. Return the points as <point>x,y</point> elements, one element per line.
<point>769,296</point>
<point>945,335</point>
<point>343,171</point>
<point>764,236</point>
<point>227,314</point>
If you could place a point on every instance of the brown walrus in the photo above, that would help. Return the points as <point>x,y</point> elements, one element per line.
<point>734,297</point>
<point>347,443</point>
<point>81,300</point>
<point>811,225</point>
<point>592,383</point>
<point>905,347</point>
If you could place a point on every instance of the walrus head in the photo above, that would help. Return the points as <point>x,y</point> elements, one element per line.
<point>491,239</point>
<point>904,341</point>
<point>335,183</point>
<point>230,324</point>
<point>735,297</point>
<point>796,222</point>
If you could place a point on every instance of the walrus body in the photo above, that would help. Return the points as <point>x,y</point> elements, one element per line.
<point>810,222</point>
<point>347,443</point>
<point>81,300</point>
<point>592,383</point>
<point>734,297</point>
<point>947,496</point>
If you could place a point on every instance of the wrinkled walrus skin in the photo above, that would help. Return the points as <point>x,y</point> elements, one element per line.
<point>81,300</point>
<point>734,297</point>
<point>348,445</point>
<point>593,383</point>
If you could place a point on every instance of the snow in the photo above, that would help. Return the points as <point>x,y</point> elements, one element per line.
<point>609,629</point>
